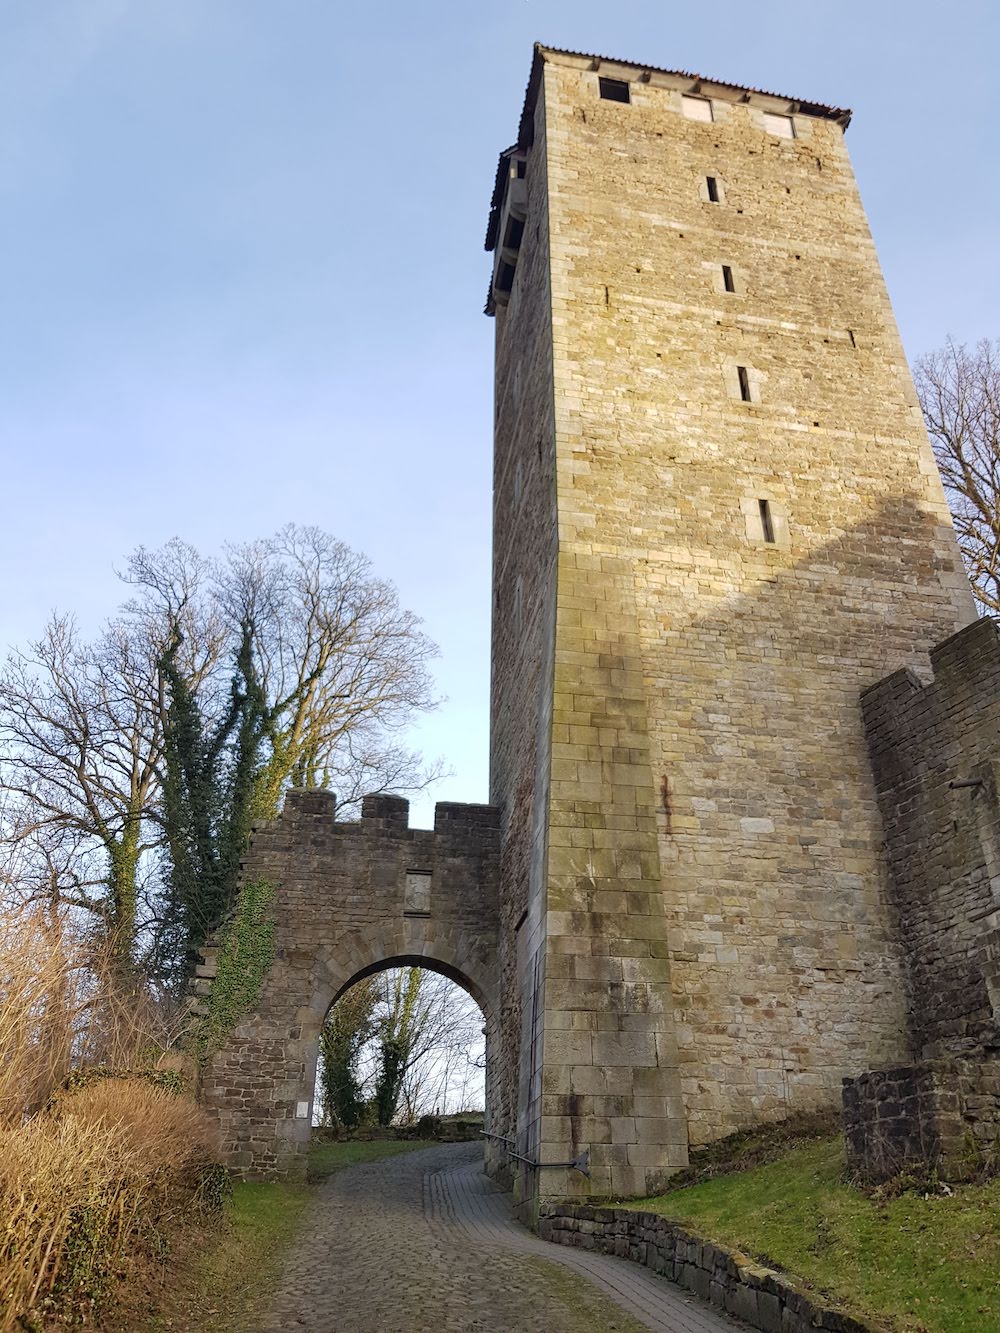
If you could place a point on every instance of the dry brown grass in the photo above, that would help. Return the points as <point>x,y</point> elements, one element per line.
<point>96,1168</point>
<point>62,1008</point>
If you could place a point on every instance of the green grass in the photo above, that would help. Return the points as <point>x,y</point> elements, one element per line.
<point>326,1159</point>
<point>227,1287</point>
<point>910,1262</point>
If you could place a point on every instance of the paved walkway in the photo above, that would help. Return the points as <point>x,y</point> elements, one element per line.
<point>424,1243</point>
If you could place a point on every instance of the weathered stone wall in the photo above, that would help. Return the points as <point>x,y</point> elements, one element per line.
<point>719,942</point>
<point>935,751</point>
<point>942,1115</point>
<point>943,840</point>
<point>348,905</point>
<point>760,1296</point>
<point>524,572</point>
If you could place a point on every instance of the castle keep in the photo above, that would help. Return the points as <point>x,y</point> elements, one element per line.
<point>717,524</point>
<point>717,519</point>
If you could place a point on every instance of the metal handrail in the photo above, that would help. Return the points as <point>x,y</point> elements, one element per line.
<point>581,1163</point>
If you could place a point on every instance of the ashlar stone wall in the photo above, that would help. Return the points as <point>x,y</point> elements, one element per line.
<point>351,899</point>
<point>524,585</point>
<point>709,907</point>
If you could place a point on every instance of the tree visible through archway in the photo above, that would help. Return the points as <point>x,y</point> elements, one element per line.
<point>402,1043</point>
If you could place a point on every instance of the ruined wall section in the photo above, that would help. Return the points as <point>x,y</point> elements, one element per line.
<point>350,899</point>
<point>739,660</point>
<point>935,751</point>
<point>524,572</point>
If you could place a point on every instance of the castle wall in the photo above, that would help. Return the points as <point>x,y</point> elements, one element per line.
<point>943,840</point>
<point>719,920</point>
<point>524,580</point>
<point>749,655</point>
<point>351,898</point>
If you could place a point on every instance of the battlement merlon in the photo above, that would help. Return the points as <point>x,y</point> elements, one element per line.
<point>385,812</point>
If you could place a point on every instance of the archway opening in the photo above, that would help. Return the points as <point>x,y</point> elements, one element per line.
<point>402,1048</point>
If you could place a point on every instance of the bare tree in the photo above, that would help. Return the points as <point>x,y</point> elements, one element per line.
<point>80,739</point>
<point>959,391</point>
<point>341,666</point>
<point>286,661</point>
<point>424,1046</point>
<point>446,1072</point>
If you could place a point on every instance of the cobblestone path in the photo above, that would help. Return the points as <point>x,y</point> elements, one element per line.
<point>424,1243</point>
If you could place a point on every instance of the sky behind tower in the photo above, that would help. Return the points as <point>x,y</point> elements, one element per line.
<point>242,276</point>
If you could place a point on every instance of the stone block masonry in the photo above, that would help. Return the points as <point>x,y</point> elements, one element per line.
<point>717,519</point>
<point>759,1296</point>
<point>935,751</point>
<point>353,898</point>
<point>937,1115</point>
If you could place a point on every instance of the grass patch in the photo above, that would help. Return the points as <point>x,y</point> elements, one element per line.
<point>911,1262</point>
<point>228,1287</point>
<point>756,1145</point>
<point>326,1159</point>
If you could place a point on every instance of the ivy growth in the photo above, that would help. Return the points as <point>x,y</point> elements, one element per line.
<point>171,1080</point>
<point>246,953</point>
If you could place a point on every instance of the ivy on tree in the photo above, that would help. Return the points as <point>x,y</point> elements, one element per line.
<point>132,769</point>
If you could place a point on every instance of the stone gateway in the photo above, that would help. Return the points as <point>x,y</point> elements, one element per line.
<point>717,521</point>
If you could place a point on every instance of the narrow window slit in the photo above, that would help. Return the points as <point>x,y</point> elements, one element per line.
<point>766,522</point>
<point>727,278</point>
<point>744,379</point>
<point>713,189</point>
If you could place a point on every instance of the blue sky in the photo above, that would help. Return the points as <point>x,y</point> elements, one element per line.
<point>241,266</point>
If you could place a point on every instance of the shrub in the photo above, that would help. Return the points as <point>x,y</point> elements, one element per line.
<point>90,1192</point>
<point>101,1153</point>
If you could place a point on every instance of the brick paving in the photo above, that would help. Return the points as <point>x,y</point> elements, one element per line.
<point>424,1243</point>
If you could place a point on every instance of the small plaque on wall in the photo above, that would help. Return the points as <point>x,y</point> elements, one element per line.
<point>417,899</point>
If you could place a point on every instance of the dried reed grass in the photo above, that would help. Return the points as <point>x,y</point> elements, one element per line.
<point>93,1174</point>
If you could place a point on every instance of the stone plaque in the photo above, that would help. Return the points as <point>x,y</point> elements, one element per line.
<point>418,892</point>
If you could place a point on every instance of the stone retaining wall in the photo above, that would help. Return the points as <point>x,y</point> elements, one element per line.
<point>761,1297</point>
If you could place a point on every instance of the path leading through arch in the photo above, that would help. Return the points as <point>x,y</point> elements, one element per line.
<point>425,1243</point>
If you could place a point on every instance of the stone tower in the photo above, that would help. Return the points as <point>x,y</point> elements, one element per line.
<point>717,520</point>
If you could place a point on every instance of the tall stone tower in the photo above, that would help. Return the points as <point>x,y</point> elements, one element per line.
<point>717,519</point>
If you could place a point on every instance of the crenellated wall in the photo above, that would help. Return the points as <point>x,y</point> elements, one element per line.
<point>935,753</point>
<point>351,899</point>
